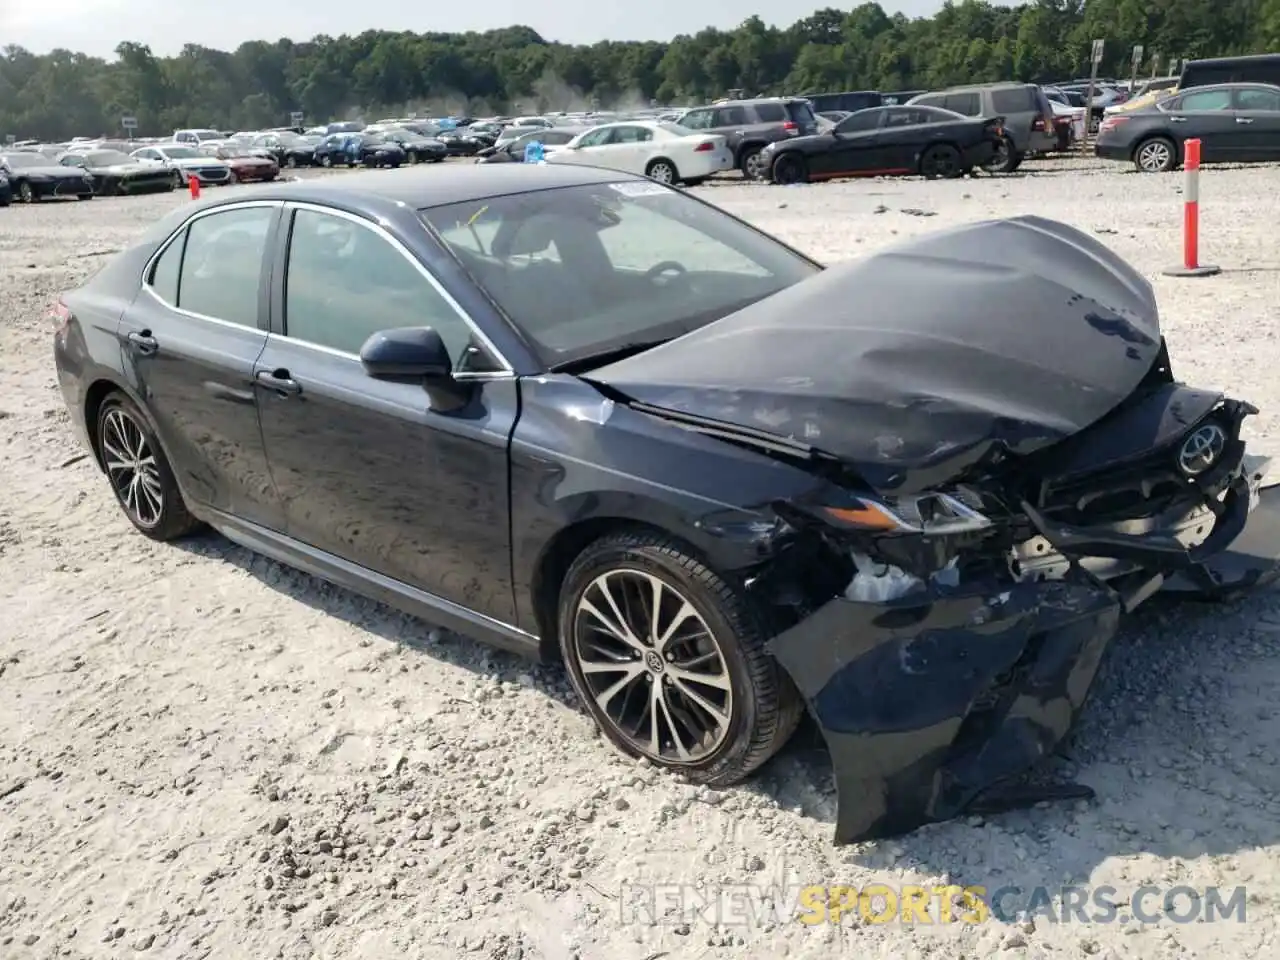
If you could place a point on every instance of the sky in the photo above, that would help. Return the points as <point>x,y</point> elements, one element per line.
<point>96,26</point>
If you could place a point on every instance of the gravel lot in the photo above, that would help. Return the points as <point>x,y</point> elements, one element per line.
<point>205,754</point>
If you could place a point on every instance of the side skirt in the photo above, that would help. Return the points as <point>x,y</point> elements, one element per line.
<point>371,584</point>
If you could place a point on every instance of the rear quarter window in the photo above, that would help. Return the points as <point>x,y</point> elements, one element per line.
<point>801,112</point>
<point>1017,100</point>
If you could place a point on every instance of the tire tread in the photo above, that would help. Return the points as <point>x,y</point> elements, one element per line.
<point>778,705</point>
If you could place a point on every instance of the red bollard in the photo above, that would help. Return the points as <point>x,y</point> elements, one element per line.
<point>193,183</point>
<point>1191,265</point>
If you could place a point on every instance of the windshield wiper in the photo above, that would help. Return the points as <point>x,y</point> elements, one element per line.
<point>608,355</point>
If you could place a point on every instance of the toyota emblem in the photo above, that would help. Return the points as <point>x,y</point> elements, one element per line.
<point>1201,450</point>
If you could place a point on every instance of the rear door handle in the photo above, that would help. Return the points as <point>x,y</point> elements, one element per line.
<point>1178,119</point>
<point>278,381</point>
<point>1243,120</point>
<point>145,343</point>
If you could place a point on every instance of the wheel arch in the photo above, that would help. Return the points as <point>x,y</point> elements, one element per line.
<point>661,158</point>
<point>564,548</point>
<point>94,397</point>
<point>756,143</point>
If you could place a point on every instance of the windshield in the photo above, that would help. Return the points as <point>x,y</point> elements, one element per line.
<point>181,153</point>
<point>19,161</point>
<point>107,158</point>
<point>586,269</point>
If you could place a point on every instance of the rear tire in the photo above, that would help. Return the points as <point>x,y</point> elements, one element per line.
<point>941,160</point>
<point>139,473</point>
<point>754,164</point>
<point>1006,158</point>
<point>662,170</point>
<point>25,192</point>
<point>724,635</point>
<point>1155,155</point>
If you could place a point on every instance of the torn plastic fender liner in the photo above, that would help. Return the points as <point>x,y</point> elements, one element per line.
<point>927,701</point>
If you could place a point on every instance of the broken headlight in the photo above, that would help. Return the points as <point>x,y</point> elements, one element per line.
<point>928,514</point>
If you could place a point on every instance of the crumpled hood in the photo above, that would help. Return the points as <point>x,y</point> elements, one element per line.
<point>914,363</point>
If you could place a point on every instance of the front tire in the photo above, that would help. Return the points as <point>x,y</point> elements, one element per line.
<point>669,660</point>
<point>1155,155</point>
<point>26,193</point>
<point>176,179</point>
<point>789,169</point>
<point>139,473</point>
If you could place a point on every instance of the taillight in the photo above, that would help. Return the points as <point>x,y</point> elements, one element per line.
<point>706,146</point>
<point>1037,124</point>
<point>60,314</point>
<point>791,127</point>
<point>1110,123</point>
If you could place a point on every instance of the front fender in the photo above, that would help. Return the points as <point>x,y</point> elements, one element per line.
<point>578,457</point>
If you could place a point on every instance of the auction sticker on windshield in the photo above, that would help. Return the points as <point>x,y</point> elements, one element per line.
<point>637,189</point>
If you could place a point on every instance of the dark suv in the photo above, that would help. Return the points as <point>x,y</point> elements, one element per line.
<point>750,125</point>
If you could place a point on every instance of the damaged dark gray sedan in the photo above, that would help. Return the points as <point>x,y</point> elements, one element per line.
<point>581,415</point>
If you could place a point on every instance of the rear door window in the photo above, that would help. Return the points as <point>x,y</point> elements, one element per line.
<point>222,265</point>
<point>730,117</point>
<point>770,113</point>
<point>968,104</point>
<point>860,122</point>
<point>1013,100</point>
<point>696,120</point>
<point>1205,100</point>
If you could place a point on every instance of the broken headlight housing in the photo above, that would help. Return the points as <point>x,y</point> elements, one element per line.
<point>926,514</point>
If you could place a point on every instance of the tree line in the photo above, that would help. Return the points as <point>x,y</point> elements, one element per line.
<point>378,73</point>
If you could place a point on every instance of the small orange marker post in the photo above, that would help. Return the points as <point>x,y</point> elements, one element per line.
<point>1191,265</point>
<point>193,183</point>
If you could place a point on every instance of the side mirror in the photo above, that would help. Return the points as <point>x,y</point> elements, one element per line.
<point>415,354</point>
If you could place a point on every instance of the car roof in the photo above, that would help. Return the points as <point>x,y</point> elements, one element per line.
<point>423,186</point>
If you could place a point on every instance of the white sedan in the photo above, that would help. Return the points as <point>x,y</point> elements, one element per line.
<point>184,162</point>
<point>667,152</point>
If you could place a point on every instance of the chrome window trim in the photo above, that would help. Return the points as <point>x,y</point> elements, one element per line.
<point>381,231</point>
<point>160,252</point>
<point>355,358</point>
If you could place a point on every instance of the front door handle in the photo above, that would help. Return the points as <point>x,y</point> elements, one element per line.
<point>145,343</point>
<point>279,382</point>
<point>1178,119</point>
<point>1243,120</point>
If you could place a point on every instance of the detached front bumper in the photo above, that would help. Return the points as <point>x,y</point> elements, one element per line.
<point>930,701</point>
